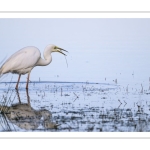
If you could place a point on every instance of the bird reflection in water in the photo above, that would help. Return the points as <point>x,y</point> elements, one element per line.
<point>25,117</point>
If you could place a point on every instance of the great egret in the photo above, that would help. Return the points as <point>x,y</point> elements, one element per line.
<point>24,60</point>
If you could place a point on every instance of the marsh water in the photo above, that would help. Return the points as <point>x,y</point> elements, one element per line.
<point>73,107</point>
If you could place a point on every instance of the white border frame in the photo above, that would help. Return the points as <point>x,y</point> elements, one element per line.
<point>74,135</point>
<point>73,14</point>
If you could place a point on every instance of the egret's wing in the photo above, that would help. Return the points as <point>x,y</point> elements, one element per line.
<point>25,58</point>
<point>14,55</point>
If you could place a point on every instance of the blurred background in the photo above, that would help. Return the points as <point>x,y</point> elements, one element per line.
<point>100,50</point>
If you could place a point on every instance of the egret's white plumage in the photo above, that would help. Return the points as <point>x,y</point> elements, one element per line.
<point>24,60</point>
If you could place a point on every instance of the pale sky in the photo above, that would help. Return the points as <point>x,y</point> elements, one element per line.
<point>98,48</point>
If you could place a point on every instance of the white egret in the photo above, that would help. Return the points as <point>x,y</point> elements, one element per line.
<point>24,60</point>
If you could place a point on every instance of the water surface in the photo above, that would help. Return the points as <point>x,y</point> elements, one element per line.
<point>73,107</point>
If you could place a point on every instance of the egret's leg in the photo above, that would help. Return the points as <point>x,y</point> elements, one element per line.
<point>18,81</point>
<point>28,80</point>
<point>28,97</point>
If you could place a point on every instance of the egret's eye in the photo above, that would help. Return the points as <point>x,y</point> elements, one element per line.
<point>55,47</point>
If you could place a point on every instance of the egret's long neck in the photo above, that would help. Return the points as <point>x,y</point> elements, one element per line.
<point>47,57</point>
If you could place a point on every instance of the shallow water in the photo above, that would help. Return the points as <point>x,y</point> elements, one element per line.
<point>73,107</point>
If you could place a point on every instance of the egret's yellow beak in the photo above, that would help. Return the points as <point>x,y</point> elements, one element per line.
<point>60,50</point>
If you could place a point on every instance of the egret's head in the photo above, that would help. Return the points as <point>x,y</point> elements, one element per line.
<point>58,49</point>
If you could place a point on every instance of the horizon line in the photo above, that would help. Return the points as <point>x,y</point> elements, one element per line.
<point>59,82</point>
